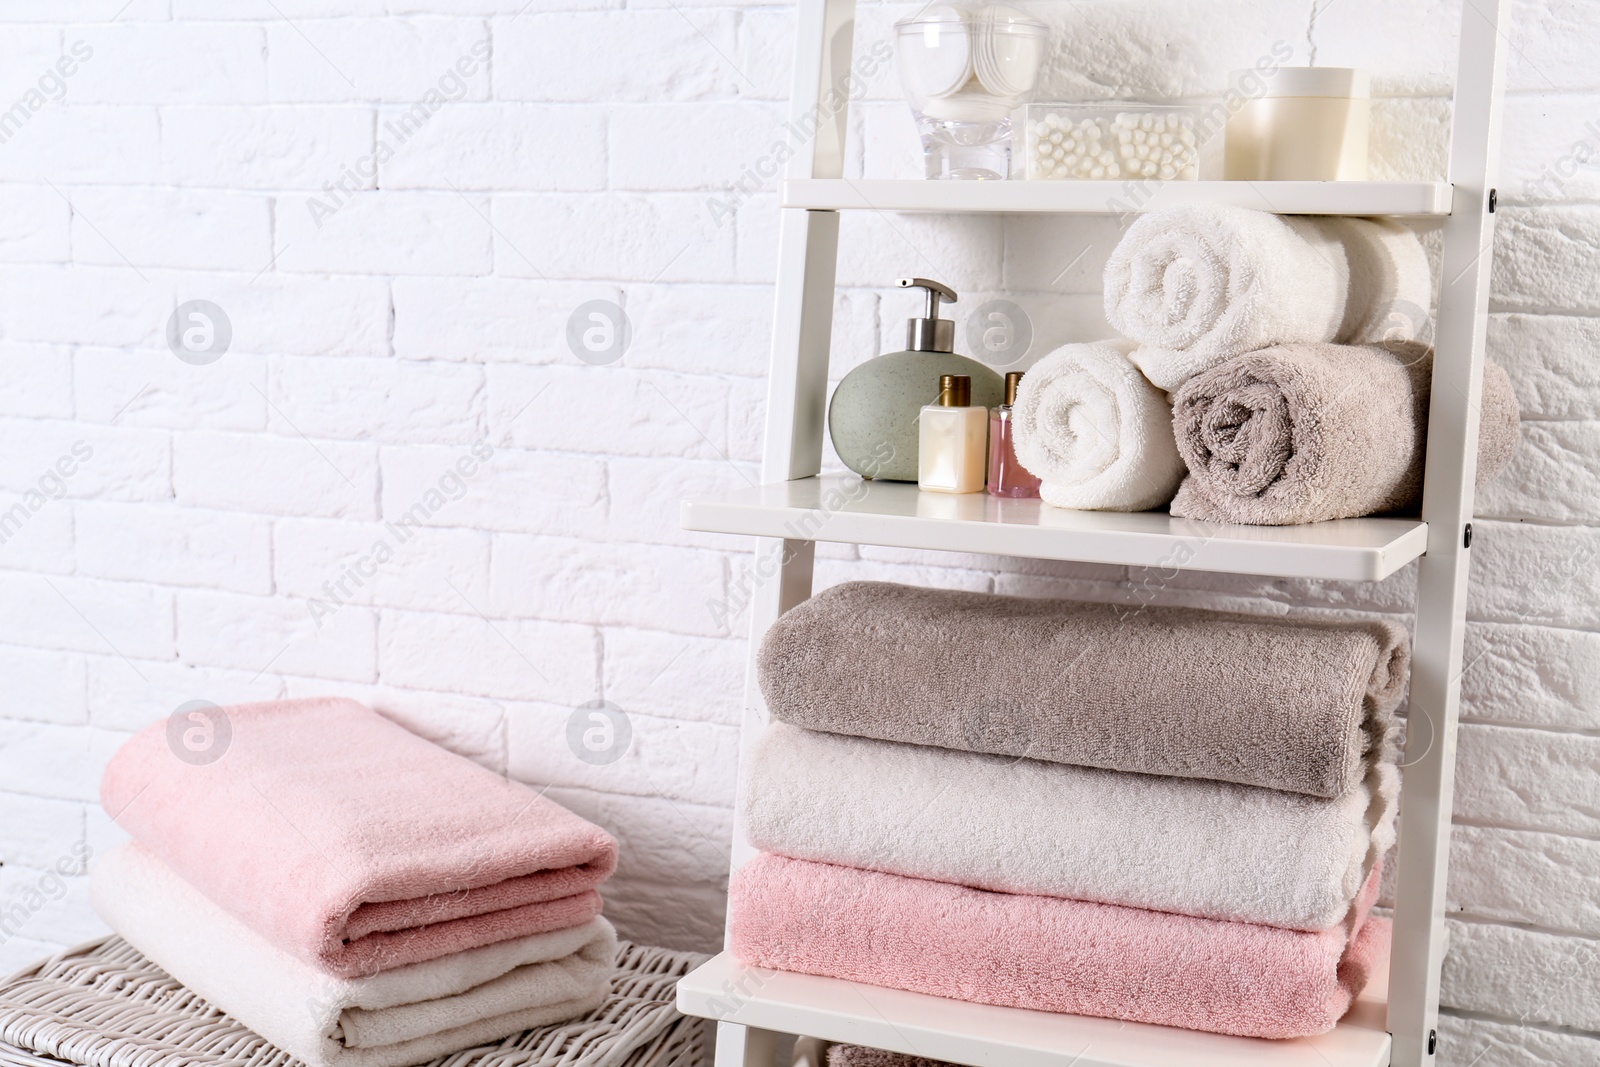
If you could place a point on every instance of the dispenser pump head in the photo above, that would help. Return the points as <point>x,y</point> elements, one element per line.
<point>930,333</point>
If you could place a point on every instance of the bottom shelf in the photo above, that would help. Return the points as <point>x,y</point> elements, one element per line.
<point>986,1036</point>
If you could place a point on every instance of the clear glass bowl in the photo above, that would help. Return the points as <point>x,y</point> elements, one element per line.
<point>965,68</point>
<point>1112,142</point>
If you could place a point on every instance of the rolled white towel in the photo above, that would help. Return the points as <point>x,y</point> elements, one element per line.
<point>1391,284</point>
<point>1199,284</point>
<point>1095,432</point>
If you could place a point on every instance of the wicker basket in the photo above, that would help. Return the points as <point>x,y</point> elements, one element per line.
<point>105,1005</point>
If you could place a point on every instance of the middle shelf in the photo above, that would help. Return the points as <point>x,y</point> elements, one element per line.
<point>844,508</point>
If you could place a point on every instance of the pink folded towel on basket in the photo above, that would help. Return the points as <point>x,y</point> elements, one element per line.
<point>1050,954</point>
<point>350,842</point>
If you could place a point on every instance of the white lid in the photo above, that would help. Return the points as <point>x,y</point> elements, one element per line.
<point>1346,82</point>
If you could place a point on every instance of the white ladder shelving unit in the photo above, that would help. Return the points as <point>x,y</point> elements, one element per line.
<point>1394,1022</point>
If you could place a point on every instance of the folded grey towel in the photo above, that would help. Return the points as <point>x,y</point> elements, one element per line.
<point>1310,432</point>
<point>1286,705</point>
<point>1217,850</point>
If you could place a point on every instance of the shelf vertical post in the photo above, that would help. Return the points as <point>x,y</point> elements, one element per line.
<point>802,328</point>
<point>1447,507</point>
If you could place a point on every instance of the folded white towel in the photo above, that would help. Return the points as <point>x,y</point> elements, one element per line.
<point>1095,432</point>
<point>1212,849</point>
<point>1198,284</point>
<point>406,1015</point>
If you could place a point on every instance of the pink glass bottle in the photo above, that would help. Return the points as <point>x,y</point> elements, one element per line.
<point>1006,476</point>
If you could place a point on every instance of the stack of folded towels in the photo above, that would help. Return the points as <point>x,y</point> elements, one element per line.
<point>354,894</point>
<point>1168,816</point>
<point>1273,374</point>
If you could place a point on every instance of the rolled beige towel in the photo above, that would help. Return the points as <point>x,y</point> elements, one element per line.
<point>1306,433</point>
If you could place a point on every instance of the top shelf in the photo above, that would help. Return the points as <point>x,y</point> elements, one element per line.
<point>1113,197</point>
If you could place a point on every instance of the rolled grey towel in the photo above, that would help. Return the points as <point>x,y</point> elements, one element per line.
<point>1310,432</point>
<point>1286,705</point>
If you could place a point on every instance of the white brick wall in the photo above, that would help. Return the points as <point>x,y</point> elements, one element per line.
<point>421,311</point>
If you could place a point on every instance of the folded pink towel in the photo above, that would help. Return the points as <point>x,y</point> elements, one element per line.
<point>353,844</point>
<point>1050,954</point>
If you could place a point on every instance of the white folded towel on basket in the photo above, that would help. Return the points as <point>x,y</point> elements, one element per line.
<point>406,1015</point>
<point>1095,432</point>
<point>1199,284</point>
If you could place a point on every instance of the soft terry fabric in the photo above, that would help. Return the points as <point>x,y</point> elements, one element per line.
<point>1213,849</point>
<point>1197,284</point>
<point>1049,954</point>
<point>861,1056</point>
<point>406,1015</point>
<point>1096,434</point>
<point>354,844</point>
<point>1305,433</point>
<point>1268,702</point>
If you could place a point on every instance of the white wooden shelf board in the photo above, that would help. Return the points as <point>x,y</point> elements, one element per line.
<point>846,509</point>
<point>1113,197</point>
<point>982,1035</point>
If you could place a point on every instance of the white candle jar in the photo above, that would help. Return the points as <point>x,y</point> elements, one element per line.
<point>1311,124</point>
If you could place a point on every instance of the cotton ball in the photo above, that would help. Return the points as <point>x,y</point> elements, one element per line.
<point>1148,169</point>
<point>1168,173</point>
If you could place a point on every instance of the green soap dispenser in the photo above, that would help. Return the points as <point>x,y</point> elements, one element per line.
<point>873,418</point>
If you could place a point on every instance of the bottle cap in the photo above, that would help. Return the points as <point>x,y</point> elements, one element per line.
<point>930,333</point>
<point>955,391</point>
<point>1013,379</point>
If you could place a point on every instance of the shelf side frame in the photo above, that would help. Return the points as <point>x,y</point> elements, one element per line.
<point>802,329</point>
<point>1451,467</point>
